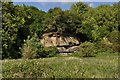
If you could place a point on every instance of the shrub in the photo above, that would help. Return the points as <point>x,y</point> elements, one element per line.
<point>31,47</point>
<point>116,47</point>
<point>47,51</point>
<point>105,45</point>
<point>87,49</point>
<point>114,36</point>
<point>115,40</point>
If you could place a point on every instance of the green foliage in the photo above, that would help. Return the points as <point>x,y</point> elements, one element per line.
<point>99,32</point>
<point>106,21</point>
<point>105,17</point>
<point>52,19</point>
<point>79,8</point>
<point>47,52</point>
<point>114,36</point>
<point>25,69</point>
<point>10,25</point>
<point>37,17</point>
<point>81,21</point>
<point>17,23</point>
<point>88,49</point>
<point>105,45</point>
<point>88,23</point>
<point>99,22</point>
<point>104,65</point>
<point>30,47</point>
<point>63,22</point>
<point>99,25</point>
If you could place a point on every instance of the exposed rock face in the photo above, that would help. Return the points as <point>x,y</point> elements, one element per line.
<point>63,44</point>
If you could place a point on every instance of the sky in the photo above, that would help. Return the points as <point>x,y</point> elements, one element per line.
<point>45,6</point>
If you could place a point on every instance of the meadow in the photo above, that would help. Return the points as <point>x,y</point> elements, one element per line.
<point>104,65</point>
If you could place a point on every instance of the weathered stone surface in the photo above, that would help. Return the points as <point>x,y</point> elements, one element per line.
<point>68,50</point>
<point>74,48</point>
<point>63,44</point>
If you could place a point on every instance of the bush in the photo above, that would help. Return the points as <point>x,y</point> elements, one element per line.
<point>115,40</point>
<point>47,52</point>
<point>116,47</point>
<point>105,45</point>
<point>114,36</point>
<point>31,47</point>
<point>87,49</point>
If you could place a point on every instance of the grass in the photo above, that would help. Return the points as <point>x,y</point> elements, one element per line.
<point>102,66</point>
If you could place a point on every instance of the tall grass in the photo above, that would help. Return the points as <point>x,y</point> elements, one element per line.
<point>102,66</point>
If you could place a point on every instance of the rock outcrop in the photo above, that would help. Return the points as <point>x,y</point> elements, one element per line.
<point>63,44</point>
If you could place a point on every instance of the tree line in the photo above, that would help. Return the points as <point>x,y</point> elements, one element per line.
<point>22,23</point>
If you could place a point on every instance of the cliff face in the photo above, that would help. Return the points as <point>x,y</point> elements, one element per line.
<point>63,44</point>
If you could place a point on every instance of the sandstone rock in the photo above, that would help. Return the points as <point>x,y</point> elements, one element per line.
<point>63,44</point>
<point>74,48</point>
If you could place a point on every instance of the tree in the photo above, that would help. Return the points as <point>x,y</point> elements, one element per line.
<point>106,21</point>
<point>87,23</point>
<point>79,8</point>
<point>10,26</point>
<point>80,12</point>
<point>62,22</point>
<point>18,23</point>
<point>52,19</point>
<point>116,9</point>
<point>37,17</point>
